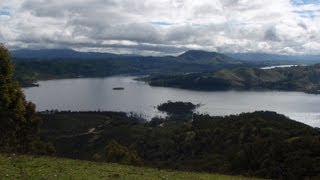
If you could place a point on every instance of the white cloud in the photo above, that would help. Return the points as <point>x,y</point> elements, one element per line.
<point>162,26</point>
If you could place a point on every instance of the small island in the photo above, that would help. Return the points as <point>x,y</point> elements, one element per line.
<point>118,88</point>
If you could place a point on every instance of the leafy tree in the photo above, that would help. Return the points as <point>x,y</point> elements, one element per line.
<point>178,110</point>
<point>18,120</point>
<point>116,152</point>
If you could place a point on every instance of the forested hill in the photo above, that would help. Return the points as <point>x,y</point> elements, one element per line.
<point>204,57</point>
<point>260,144</point>
<point>54,54</point>
<point>51,64</point>
<point>304,59</point>
<point>298,78</point>
<point>196,56</point>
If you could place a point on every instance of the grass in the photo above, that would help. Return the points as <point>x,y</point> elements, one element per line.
<point>29,167</point>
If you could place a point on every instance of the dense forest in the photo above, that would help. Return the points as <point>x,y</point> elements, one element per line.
<point>260,144</point>
<point>297,78</point>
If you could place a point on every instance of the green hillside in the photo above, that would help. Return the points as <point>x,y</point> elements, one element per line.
<point>258,144</point>
<point>243,74</point>
<point>28,167</point>
<point>204,57</point>
<point>299,78</point>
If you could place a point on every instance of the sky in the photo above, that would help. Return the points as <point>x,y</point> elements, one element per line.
<point>162,27</point>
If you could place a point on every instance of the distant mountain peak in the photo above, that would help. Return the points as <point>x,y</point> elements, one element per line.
<point>198,54</point>
<point>203,57</point>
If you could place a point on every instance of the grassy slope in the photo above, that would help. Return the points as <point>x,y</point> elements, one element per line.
<point>242,74</point>
<point>300,78</point>
<point>27,167</point>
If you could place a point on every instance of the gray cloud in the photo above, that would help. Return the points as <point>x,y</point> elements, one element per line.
<point>128,26</point>
<point>272,35</point>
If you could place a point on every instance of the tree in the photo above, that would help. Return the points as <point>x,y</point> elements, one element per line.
<point>178,110</point>
<point>116,152</point>
<point>19,122</point>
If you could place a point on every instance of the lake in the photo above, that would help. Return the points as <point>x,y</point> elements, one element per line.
<point>280,66</point>
<point>88,94</point>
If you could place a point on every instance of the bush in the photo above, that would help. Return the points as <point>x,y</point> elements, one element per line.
<point>116,152</point>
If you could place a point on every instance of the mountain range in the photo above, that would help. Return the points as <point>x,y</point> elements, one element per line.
<point>51,54</point>
<point>188,56</point>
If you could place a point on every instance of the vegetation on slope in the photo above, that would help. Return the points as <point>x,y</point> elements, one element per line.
<point>299,78</point>
<point>19,122</point>
<point>261,144</point>
<point>204,57</point>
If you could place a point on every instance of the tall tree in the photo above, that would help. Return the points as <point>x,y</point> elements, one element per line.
<point>18,120</point>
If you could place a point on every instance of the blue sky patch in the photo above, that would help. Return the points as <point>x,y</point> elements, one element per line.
<point>304,2</point>
<point>161,23</point>
<point>4,12</point>
<point>306,14</point>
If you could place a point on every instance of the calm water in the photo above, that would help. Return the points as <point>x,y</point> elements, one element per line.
<point>98,94</point>
<point>280,66</point>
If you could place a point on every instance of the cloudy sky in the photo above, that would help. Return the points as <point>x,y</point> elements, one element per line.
<point>158,27</point>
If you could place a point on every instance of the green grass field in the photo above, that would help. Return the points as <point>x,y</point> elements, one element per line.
<point>27,167</point>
